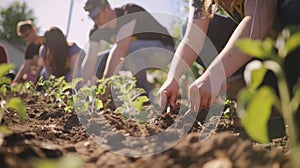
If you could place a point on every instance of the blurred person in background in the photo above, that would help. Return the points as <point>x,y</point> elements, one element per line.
<point>59,56</point>
<point>130,28</point>
<point>30,70</point>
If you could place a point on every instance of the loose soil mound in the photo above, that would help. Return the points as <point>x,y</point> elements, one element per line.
<point>50,133</point>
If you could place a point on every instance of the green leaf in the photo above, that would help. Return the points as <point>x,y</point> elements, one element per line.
<point>16,104</point>
<point>99,104</point>
<point>294,103</point>
<point>81,106</point>
<point>296,156</point>
<point>268,46</point>
<point>76,81</point>
<point>5,80</point>
<point>138,102</point>
<point>257,76</point>
<point>101,89</point>
<point>70,101</point>
<point>254,48</point>
<point>69,160</point>
<point>292,43</point>
<point>142,116</point>
<point>244,98</point>
<point>1,113</point>
<point>228,113</point>
<point>86,91</point>
<point>4,68</point>
<point>258,107</point>
<point>68,86</point>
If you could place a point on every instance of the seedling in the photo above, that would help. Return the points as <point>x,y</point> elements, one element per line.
<point>131,97</point>
<point>229,108</point>
<point>13,103</point>
<point>254,100</point>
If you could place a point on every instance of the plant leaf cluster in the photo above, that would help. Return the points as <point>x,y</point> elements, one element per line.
<point>130,97</point>
<point>256,102</point>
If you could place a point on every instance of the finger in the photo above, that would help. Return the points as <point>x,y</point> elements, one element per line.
<point>194,99</point>
<point>197,100</point>
<point>203,100</point>
<point>209,102</point>
<point>205,105</point>
<point>191,98</point>
<point>163,99</point>
<point>172,100</point>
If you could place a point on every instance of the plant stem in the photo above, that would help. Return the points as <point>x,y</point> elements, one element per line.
<point>288,114</point>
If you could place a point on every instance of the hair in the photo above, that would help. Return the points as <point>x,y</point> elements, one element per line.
<point>23,26</point>
<point>92,4</point>
<point>56,51</point>
<point>205,6</point>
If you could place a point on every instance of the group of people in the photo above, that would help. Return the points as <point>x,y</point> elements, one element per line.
<point>131,29</point>
<point>50,54</point>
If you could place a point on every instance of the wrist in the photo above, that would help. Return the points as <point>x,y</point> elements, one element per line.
<point>216,78</point>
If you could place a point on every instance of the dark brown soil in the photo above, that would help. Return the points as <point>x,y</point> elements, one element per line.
<point>105,139</point>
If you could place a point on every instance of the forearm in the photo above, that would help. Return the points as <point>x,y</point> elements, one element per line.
<point>20,74</point>
<point>189,48</point>
<point>191,45</point>
<point>182,60</point>
<point>113,64</point>
<point>231,58</point>
<point>89,63</point>
<point>257,24</point>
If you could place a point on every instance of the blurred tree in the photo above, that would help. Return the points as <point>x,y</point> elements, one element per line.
<point>10,16</point>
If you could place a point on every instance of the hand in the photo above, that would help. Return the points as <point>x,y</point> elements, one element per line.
<point>13,83</point>
<point>168,91</point>
<point>203,90</point>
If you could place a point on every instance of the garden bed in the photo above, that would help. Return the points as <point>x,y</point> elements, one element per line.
<point>107,139</point>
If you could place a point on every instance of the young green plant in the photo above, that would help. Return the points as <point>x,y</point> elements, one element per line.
<point>131,98</point>
<point>14,102</point>
<point>255,100</point>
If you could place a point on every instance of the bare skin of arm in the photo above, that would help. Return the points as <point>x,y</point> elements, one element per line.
<point>258,21</point>
<point>119,50</point>
<point>23,70</point>
<point>89,63</point>
<point>185,55</point>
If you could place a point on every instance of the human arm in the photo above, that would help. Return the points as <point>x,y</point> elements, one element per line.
<point>119,51</point>
<point>89,63</point>
<point>23,70</point>
<point>257,23</point>
<point>186,53</point>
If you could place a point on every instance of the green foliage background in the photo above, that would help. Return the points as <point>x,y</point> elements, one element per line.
<point>10,16</point>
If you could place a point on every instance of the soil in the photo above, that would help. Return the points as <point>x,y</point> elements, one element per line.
<point>106,139</point>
